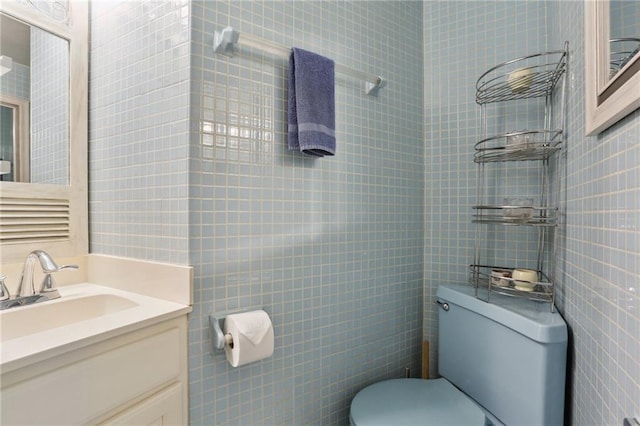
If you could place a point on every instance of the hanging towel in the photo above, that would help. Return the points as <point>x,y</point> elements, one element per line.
<point>311,110</point>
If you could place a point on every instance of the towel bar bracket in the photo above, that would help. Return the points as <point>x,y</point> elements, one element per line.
<point>373,88</point>
<point>225,41</point>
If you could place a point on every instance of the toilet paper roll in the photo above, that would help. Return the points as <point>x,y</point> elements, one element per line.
<point>252,334</point>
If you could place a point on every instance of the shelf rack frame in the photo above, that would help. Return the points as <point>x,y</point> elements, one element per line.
<point>533,76</point>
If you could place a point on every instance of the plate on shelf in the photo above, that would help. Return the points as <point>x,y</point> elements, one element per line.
<point>522,78</point>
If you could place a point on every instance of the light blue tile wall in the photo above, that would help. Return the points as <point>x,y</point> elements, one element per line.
<point>16,83</point>
<point>331,248</point>
<point>139,129</point>
<point>600,269</point>
<point>600,251</point>
<point>49,142</point>
<point>462,40</point>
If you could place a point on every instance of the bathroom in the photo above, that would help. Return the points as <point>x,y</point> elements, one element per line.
<point>188,166</point>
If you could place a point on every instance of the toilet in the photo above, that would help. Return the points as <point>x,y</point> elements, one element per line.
<point>502,363</point>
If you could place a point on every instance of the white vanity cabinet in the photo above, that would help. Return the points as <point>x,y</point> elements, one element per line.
<point>135,378</point>
<point>163,408</point>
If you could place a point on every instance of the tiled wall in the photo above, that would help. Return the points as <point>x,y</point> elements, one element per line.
<point>49,108</point>
<point>462,40</point>
<point>139,129</point>
<point>600,285</point>
<point>598,269</point>
<point>331,248</point>
<point>16,82</point>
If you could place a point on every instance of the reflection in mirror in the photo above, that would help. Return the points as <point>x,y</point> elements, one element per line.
<point>623,49</point>
<point>14,139</point>
<point>34,88</point>
<point>8,143</point>
<point>624,33</point>
<point>609,98</point>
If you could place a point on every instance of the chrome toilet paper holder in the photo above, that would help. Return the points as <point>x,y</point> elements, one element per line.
<point>216,324</point>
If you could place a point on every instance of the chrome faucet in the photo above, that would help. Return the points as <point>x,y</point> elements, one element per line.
<point>26,294</point>
<point>4,291</point>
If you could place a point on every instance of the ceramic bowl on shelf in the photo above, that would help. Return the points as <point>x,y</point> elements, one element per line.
<point>524,279</point>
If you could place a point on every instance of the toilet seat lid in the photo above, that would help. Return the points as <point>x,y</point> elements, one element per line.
<point>414,402</point>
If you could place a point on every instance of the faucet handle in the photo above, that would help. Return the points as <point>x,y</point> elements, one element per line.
<point>48,283</point>
<point>74,267</point>
<point>4,291</point>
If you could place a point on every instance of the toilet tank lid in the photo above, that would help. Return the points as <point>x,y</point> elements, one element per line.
<point>529,318</point>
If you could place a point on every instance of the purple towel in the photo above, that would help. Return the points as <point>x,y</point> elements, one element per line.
<point>311,110</point>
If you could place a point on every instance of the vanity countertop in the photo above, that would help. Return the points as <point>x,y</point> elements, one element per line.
<point>84,314</point>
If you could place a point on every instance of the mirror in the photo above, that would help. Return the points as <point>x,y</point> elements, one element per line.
<point>46,129</point>
<point>612,62</point>
<point>624,34</point>
<point>34,93</point>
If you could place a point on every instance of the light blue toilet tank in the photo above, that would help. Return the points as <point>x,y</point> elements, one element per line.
<point>508,355</point>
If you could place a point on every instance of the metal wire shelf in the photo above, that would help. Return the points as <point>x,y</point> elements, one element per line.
<point>539,216</point>
<point>480,277</point>
<point>539,145</point>
<point>541,75</point>
<point>521,78</point>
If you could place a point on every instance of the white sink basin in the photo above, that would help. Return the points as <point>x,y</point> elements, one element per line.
<point>83,315</point>
<point>19,322</point>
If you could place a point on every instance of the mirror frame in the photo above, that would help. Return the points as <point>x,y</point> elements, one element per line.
<point>76,193</point>
<point>622,99</point>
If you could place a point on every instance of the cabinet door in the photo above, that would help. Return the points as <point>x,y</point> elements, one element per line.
<point>104,378</point>
<point>162,409</point>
